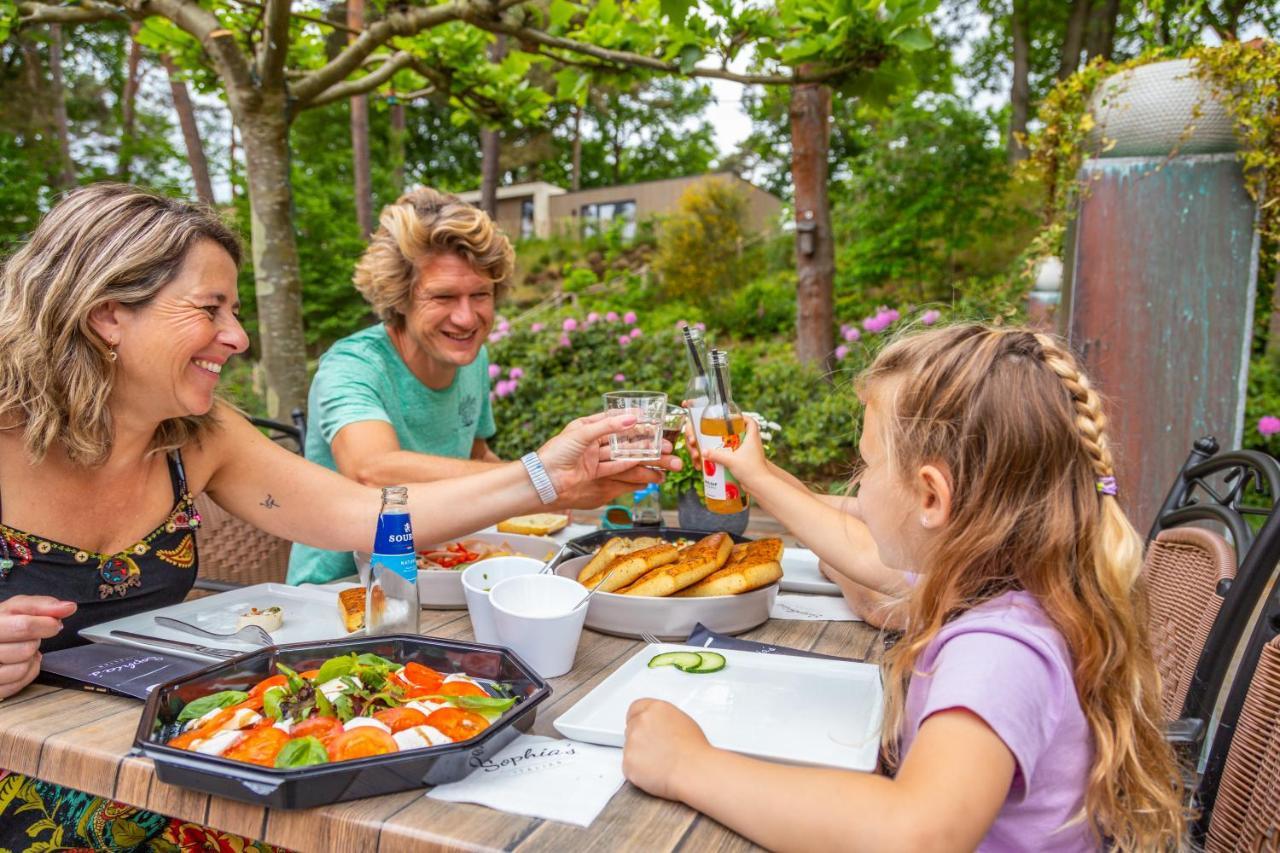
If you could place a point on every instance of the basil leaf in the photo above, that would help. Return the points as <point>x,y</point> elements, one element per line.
<point>271,702</point>
<point>296,681</point>
<point>370,659</point>
<point>475,703</point>
<point>323,706</point>
<point>342,705</point>
<point>335,668</point>
<point>302,752</point>
<point>205,704</point>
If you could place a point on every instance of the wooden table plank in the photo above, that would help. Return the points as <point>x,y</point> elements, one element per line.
<point>87,757</point>
<point>25,726</point>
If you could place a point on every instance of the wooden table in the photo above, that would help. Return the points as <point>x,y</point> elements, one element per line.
<point>82,740</point>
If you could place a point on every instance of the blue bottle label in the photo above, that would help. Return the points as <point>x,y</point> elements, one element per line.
<point>393,546</point>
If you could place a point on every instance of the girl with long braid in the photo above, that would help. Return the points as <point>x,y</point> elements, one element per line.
<point>1022,702</point>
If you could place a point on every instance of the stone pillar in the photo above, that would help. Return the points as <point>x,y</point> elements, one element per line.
<point>1162,264</point>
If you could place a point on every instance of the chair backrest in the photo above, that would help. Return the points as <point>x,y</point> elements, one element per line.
<point>288,435</point>
<point>1226,489</point>
<point>1240,794</point>
<point>233,550</point>
<point>1184,569</point>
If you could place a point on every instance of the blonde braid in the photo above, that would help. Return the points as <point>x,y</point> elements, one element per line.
<point>1090,419</point>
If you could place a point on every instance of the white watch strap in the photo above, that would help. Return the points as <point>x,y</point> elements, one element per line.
<point>541,480</point>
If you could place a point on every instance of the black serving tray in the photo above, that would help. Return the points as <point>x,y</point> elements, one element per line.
<point>321,784</point>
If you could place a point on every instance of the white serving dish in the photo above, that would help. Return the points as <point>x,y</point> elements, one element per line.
<point>672,618</point>
<point>441,589</point>
<point>310,614</point>
<point>800,573</point>
<point>781,707</point>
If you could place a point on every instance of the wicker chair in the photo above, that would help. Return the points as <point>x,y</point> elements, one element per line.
<point>1201,603</point>
<point>234,553</point>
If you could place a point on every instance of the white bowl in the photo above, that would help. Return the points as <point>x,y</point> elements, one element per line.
<point>479,578</point>
<point>672,618</point>
<point>539,617</point>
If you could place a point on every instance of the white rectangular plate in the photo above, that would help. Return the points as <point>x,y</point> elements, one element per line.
<point>310,614</point>
<point>780,707</point>
<point>800,573</point>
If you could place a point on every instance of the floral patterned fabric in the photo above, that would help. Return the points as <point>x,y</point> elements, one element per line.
<point>39,816</point>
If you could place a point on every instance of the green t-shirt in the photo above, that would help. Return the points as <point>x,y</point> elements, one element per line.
<point>363,378</point>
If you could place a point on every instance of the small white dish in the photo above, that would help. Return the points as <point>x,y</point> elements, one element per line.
<point>480,578</point>
<point>540,617</point>
<point>800,573</point>
<point>781,707</point>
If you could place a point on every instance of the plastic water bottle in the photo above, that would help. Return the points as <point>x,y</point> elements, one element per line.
<point>647,507</point>
<point>391,600</point>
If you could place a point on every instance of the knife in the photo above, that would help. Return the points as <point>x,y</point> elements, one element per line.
<point>178,644</point>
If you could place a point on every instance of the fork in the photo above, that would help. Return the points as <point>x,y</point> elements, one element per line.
<point>248,634</point>
<point>649,638</point>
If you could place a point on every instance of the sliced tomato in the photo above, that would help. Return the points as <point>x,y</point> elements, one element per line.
<point>418,675</point>
<point>309,674</point>
<point>457,723</point>
<point>267,683</point>
<point>259,746</point>
<point>461,688</point>
<point>362,742</point>
<point>216,722</point>
<point>398,719</point>
<point>324,729</point>
<point>254,702</point>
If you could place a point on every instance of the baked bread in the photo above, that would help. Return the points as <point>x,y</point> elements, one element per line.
<point>625,568</point>
<point>694,564</point>
<point>612,548</point>
<point>351,606</point>
<point>750,566</point>
<point>540,524</point>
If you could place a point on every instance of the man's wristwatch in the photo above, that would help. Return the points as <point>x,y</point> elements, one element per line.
<point>541,480</point>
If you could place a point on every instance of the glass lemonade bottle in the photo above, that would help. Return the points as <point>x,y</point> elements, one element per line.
<point>721,425</point>
<point>697,393</point>
<point>391,600</point>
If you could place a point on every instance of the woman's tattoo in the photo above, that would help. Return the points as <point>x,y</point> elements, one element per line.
<point>269,503</point>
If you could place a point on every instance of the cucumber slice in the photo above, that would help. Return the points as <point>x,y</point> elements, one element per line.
<point>709,662</point>
<point>680,660</point>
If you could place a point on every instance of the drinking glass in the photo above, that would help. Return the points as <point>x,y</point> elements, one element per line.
<point>642,440</point>
<point>673,423</point>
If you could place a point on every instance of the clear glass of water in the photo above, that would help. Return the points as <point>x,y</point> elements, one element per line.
<point>643,440</point>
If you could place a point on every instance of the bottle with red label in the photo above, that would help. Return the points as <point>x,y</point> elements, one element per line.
<point>722,425</point>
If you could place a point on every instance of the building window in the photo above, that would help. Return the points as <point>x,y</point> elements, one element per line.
<point>598,218</point>
<point>526,219</point>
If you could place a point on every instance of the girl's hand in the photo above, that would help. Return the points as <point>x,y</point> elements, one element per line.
<point>578,458</point>
<point>25,620</point>
<point>661,740</point>
<point>747,462</point>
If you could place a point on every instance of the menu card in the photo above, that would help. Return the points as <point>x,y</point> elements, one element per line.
<point>107,668</point>
<point>561,780</point>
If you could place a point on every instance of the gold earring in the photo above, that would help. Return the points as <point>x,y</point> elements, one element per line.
<point>111,351</point>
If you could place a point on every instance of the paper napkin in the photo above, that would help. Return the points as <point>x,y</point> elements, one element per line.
<point>544,777</point>
<point>812,608</point>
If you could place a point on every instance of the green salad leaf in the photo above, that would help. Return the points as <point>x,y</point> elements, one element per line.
<point>296,681</point>
<point>205,704</point>
<point>336,668</point>
<point>271,702</point>
<point>343,708</point>
<point>370,659</point>
<point>302,752</point>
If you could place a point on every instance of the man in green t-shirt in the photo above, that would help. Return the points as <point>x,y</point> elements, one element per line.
<point>407,400</point>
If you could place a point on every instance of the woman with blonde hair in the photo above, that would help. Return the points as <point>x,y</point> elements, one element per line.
<point>1023,704</point>
<point>116,319</point>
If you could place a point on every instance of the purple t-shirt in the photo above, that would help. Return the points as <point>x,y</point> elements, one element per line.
<point>1005,662</point>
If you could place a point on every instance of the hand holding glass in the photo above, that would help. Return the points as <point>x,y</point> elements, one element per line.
<point>643,440</point>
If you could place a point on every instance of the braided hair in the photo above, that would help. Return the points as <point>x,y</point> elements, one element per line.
<point>1012,419</point>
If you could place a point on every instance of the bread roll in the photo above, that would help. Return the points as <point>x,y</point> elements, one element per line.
<point>616,546</point>
<point>540,524</point>
<point>751,566</point>
<point>351,606</point>
<point>696,563</point>
<point>625,568</point>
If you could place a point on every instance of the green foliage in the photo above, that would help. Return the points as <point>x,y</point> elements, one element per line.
<point>701,248</point>
<point>764,307</point>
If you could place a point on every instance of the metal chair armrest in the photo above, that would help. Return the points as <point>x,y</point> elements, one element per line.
<point>1187,732</point>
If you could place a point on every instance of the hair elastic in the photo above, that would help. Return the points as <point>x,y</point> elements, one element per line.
<point>1106,486</point>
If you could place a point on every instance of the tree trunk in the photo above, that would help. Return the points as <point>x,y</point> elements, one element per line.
<point>397,146</point>
<point>1273,324</point>
<point>360,138</point>
<point>577,147</point>
<point>1074,39</point>
<point>190,133</point>
<point>1102,29</point>
<point>264,133</point>
<point>815,253</point>
<point>128,105</point>
<point>491,147</point>
<point>66,177</point>
<point>1020,92</point>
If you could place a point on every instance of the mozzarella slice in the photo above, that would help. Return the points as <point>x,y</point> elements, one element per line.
<point>425,706</point>
<point>356,722</point>
<point>420,736</point>
<point>217,743</point>
<point>283,725</point>
<point>457,676</point>
<point>333,688</point>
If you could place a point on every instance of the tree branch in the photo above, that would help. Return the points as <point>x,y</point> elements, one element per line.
<point>638,60</point>
<point>86,12</point>
<point>275,43</point>
<point>363,85</point>
<point>403,22</point>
